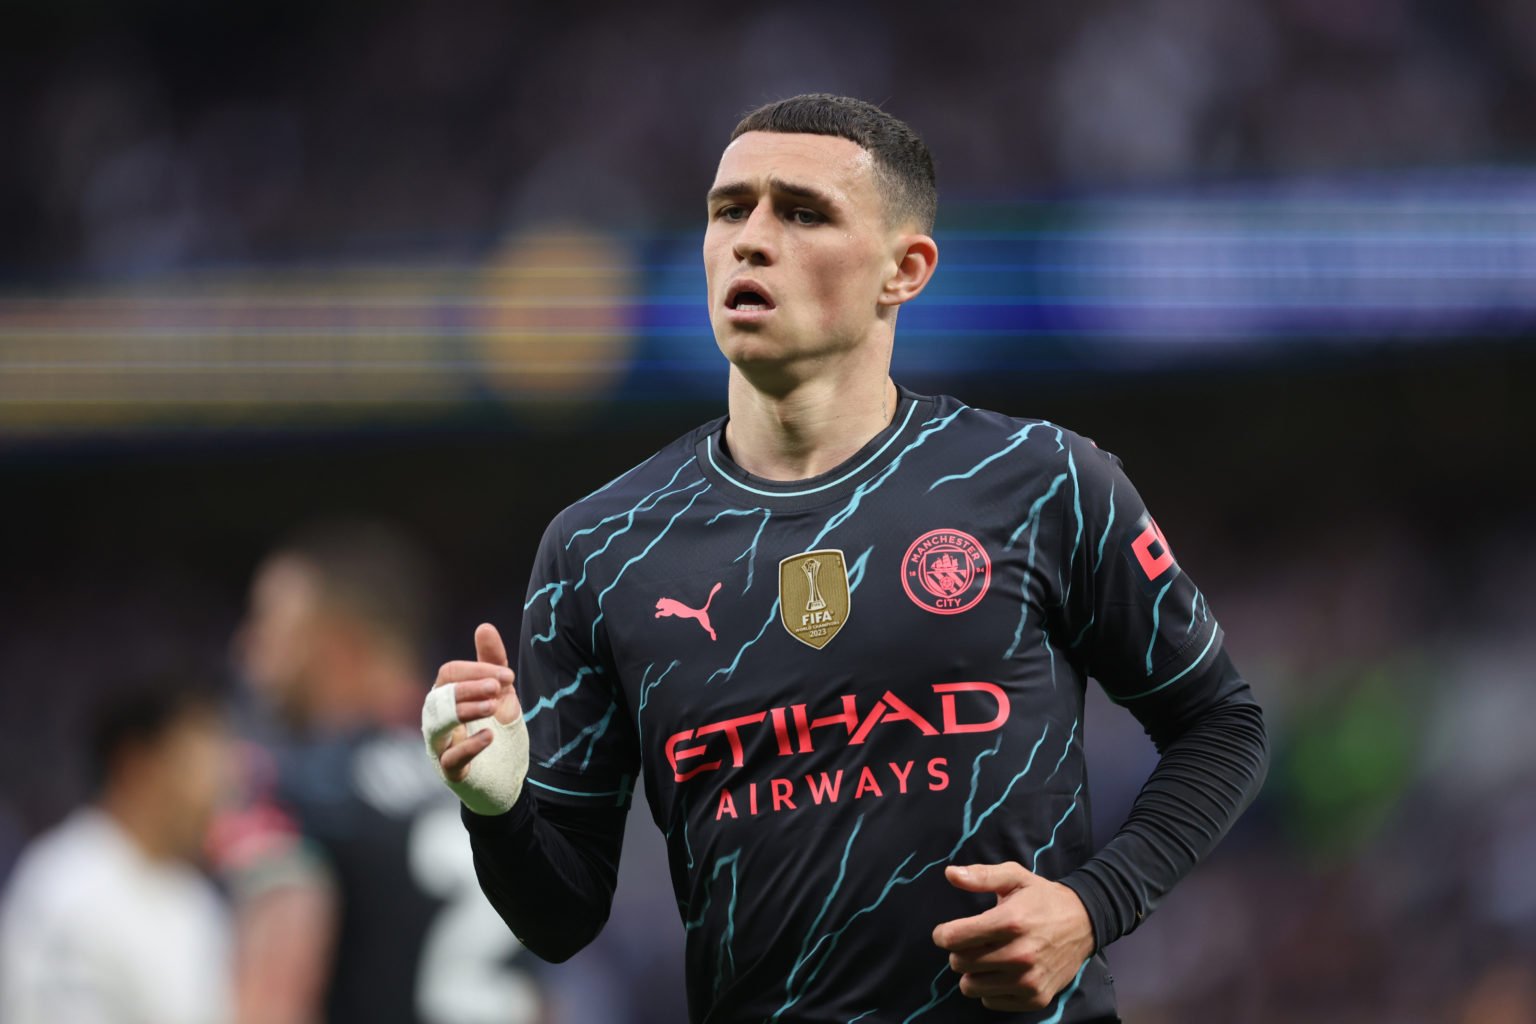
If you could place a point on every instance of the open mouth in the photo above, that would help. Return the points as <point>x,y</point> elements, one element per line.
<point>748,297</point>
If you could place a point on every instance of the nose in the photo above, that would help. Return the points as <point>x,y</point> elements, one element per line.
<point>755,242</point>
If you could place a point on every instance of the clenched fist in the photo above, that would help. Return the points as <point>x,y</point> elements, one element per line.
<point>473,726</point>
<point>1019,954</point>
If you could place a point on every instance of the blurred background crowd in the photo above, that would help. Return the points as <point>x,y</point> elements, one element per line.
<point>156,134</point>
<point>421,274</point>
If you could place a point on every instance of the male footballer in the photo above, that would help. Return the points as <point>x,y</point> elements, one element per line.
<point>845,633</point>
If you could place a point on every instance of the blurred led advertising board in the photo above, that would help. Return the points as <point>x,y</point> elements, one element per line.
<point>565,318</point>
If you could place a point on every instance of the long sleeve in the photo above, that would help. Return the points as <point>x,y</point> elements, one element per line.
<point>549,870</point>
<point>549,865</point>
<point>1214,759</point>
<point>1143,629</point>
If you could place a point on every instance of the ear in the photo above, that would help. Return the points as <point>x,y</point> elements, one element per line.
<point>917,256</point>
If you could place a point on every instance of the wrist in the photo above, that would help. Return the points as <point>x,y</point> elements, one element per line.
<point>1083,901</point>
<point>1083,944</point>
<point>510,822</point>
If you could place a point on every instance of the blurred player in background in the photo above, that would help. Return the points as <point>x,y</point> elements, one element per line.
<point>108,917</point>
<point>355,892</point>
<point>845,632</point>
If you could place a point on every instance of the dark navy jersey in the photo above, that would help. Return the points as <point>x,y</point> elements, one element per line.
<point>365,814</point>
<point>836,687</point>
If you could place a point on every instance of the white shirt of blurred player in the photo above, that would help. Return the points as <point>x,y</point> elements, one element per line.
<point>92,931</point>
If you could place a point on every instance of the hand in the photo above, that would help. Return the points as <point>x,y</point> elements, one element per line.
<point>1019,954</point>
<point>482,688</point>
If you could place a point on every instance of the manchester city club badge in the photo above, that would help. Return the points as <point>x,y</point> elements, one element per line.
<point>946,572</point>
<point>813,595</point>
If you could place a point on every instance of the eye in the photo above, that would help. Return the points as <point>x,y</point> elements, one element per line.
<point>806,217</point>
<point>732,213</point>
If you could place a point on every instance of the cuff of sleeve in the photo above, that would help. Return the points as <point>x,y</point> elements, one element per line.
<point>516,819</point>
<point>1098,904</point>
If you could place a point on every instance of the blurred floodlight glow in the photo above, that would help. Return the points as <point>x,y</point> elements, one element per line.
<point>567,317</point>
<point>554,316</point>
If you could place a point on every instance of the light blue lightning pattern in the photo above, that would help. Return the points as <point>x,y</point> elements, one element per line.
<point>1156,613</point>
<point>833,938</point>
<point>591,734</point>
<point>1065,750</point>
<point>933,993</point>
<point>874,457</point>
<point>854,578</point>
<point>1119,699</point>
<point>644,551</point>
<point>615,480</point>
<point>790,998</point>
<point>1018,438</point>
<point>682,815</point>
<point>545,703</point>
<point>866,1013</point>
<point>856,570</point>
<point>1068,993</point>
<point>709,895</point>
<point>602,727</point>
<point>969,827</point>
<point>726,956</point>
<point>1077,539</point>
<point>559,588</point>
<point>654,498</point>
<point>630,522</point>
<point>1193,603</point>
<point>645,696</point>
<point>751,548</point>
<point>623,792</point>
<point>1108,522</point>
<point>855,575</point>
<point>630,512</point>
<point>726,671</point>
<point>1035,865</point>
<point>1032,520</point>
<point>841,516</point>
<point>965,820</point>
<point>933,426</point>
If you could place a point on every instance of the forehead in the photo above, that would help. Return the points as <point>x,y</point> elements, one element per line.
<point>196,724</point>
<point>827,162</point>
<point>284,580</point>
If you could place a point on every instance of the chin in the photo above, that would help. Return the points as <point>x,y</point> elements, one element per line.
<point>749,343</point>
<point>756,356</point>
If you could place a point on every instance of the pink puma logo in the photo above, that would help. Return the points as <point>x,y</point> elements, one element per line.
<point>667,606</point>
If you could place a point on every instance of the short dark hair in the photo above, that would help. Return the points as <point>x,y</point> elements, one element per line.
<point>139,711</point>
<point>902,161</point>
<point>375,573</point>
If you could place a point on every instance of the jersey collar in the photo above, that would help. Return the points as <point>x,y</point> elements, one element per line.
<point>836,483</point>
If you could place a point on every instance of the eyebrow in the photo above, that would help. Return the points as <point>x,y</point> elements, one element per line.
<point>731,190</point>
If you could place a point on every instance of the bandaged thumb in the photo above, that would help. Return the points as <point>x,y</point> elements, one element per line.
<point>495,775</point>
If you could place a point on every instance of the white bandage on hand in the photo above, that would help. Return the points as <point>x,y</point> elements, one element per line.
<point>496,774</point>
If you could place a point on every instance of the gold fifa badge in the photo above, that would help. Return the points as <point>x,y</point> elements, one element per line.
<point>813,595</point>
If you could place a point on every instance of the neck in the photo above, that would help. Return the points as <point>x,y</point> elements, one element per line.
<point>809,427</point>
<point>139,817</point>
